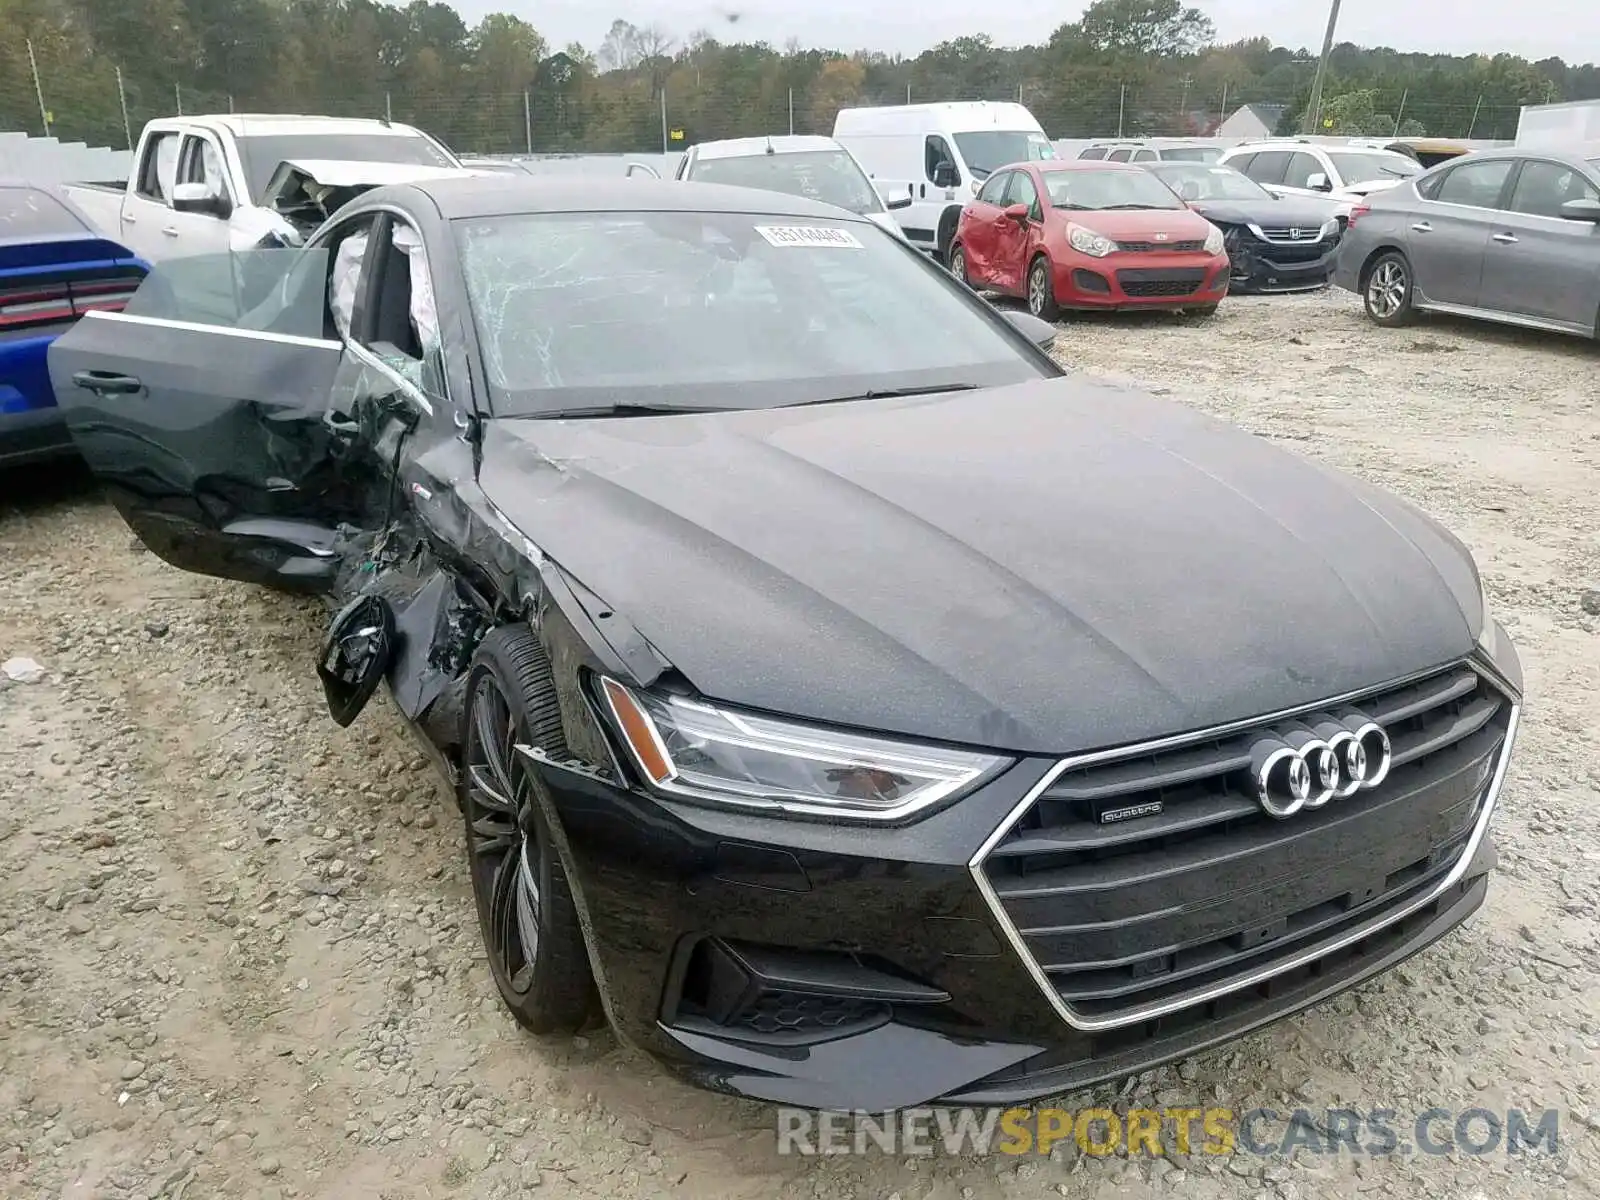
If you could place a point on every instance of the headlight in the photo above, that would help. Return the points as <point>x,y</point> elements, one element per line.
<point>1214,241</point>
<point>699,752</point>
<point>1087,241</point>
<point>1329,228</point>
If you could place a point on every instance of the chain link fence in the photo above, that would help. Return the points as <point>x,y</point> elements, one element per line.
<point>616,113</point>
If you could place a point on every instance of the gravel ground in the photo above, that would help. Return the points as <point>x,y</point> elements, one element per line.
<point>238,954</point>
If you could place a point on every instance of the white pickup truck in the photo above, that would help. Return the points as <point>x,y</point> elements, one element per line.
<point>212,184</point>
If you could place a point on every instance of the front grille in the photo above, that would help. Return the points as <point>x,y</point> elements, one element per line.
<point>1141,880</point>
<point>1183,282</point>
<point>1291,236</point>
<point>1151,247</point>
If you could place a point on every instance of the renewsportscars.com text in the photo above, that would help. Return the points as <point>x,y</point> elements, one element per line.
<point>1377,1132</point>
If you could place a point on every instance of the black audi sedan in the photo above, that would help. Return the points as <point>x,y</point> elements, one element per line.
<point>1274,243</point>
<point>849,704</point>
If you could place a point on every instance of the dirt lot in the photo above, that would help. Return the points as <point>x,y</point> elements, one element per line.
<point>237,949</point>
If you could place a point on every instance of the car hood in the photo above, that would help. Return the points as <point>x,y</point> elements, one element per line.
<point>1290,212</point>
<point>1045,568</point>
<point>1124,225</point>
<point>1367,187</point>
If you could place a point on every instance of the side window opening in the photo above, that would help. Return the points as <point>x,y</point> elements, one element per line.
<point>159,170</point>
<point>344,278</point>
<point>202,163</point>
<point>936,151</point>
<point>1023,192</point>
<point>405,322</point>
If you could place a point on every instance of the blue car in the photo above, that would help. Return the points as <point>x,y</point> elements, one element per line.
<point>53,268</point>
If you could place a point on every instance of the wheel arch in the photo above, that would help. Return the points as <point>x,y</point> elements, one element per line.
<point>1372,258</point>
<point>945,230</point>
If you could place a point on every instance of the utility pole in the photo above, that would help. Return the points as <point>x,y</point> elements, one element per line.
<point>1183,105</point>
<point>1475,109</point>
<point>791,112</point>
<point>38,89</point>
<point>1222,113</point>
<point>665,149</point>
<point>1122,107</point>
<point>122,99</point>
<point>1314,108</point>
<point>1400,114</point>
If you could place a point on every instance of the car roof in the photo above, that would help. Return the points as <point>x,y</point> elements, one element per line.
<point>268,124</point>
<point>750,147</point>
<point>1576,159</point>
<point>505,195</point>
<point>1081,164</point>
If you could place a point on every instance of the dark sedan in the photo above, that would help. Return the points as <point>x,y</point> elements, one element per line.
<point>1274,243</point>
<point>855,707</point>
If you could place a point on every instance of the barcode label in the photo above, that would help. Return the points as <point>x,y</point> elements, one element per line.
<point>809,235</point>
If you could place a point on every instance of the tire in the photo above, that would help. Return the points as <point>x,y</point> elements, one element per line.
<point>1040,290</point>
<point>532,936</point>
<point>1386,290</point>
<point>948,220</point>
<point>958,263</point>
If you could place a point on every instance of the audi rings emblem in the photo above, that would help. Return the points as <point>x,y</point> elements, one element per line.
<point>1325,757</point>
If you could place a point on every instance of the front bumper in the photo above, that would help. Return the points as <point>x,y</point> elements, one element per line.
<point>1130,280</point>
<point>875,969</point>
<point>1262,266</point>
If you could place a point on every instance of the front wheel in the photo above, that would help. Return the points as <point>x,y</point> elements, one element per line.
<point>1042,291</point>
<point>1202,310</point>
<point>526,911</point>
<point>958,264</point>
<point>1387,294</point>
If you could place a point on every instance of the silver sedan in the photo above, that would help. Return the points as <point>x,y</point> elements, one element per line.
<point>1505,235</point>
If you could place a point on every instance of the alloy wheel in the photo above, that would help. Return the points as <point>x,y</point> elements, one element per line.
<point>1038,290</point>
<point>958,264</point>
<point>503,836</point>
<point>1386,290</point>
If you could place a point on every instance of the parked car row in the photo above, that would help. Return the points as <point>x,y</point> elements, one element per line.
<point>591,469</point>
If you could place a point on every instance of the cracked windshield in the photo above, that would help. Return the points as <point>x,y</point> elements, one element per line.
<point>736,600</point>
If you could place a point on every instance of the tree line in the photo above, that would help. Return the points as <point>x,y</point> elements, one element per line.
<point>1138,67</point>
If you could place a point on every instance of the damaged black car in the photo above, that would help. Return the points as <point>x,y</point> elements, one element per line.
<point>849,704</point>
<point>1274,243</point>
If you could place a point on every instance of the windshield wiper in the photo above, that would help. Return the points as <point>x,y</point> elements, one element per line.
<point>888,394</point>
<point>1124,207</point>
<point>622,409</point>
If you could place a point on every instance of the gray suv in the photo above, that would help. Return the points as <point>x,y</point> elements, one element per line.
<point>1505,235</point>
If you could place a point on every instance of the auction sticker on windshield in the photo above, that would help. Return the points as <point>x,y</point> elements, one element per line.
<point>808,235</point>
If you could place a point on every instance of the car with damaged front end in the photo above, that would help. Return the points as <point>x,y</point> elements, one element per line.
<point>853,706</point>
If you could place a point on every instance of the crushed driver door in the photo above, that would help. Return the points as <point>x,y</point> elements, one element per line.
<point>203,409</point>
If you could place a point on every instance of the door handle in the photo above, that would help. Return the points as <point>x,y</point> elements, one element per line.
<point>171,231</point>
<point>107,383</point>
<point>1423,227</point>
<point>1505,239</point>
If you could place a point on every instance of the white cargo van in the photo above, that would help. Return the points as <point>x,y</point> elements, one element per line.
<point>938,155</point>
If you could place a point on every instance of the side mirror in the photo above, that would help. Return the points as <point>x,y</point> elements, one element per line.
<point>897,205</point>
<point>1041,333</point>
<point>1318,182</point>
<point>945,174</point>
<point>201,198</point>
<point>1017,212</point>
<point>1580,210</point>
<point>355,656</point>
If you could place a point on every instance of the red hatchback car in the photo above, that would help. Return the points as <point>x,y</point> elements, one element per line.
<point>1088,235</point>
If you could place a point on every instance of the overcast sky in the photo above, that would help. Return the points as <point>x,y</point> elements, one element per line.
<point>1537,29</point>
